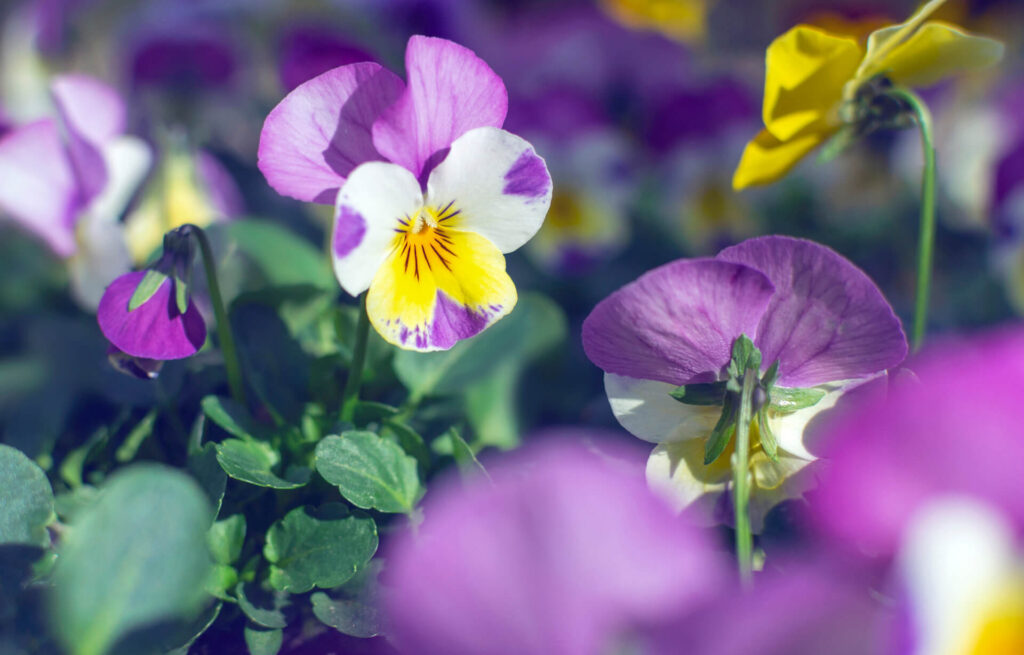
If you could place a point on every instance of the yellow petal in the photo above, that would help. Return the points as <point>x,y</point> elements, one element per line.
<point>937,51</point>
<point>679,19</point>
<point>439,286</point>
<point>766,159</point>
<point>882,42</point>
<point>806,71</point>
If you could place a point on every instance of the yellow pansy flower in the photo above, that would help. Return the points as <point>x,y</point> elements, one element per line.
<point>684,20</point>
<point>816,80</point>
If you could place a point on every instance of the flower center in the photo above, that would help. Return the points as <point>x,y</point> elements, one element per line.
<point>423,241</point>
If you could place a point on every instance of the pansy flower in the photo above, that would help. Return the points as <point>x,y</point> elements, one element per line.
<point>68,178</point>
<point>819,317</point>
<point>928,479</point>
<point>817,81</point>
<point>428,190</point>
<point>562,550</point>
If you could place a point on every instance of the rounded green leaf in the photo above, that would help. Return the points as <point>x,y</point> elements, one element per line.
<point>26,499</point>
<point>350,616</point>
<point>318,547</point>
<point>371,472</point>
<point>226,537</point>
<point>261,641</point>
<point>265,608</point>
<point>135,558</point>
<point>253,461</point>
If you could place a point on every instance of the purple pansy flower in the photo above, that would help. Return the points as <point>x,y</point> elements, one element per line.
<point>928,478</point>
<point>306,50</point>
<point>423,231</point>
<point>67,179</point>
<point>563,550</point>
<point>803,305</point>
<point>156,329</point>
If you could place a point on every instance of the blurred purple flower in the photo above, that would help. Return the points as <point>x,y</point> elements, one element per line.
<point>819,316</point>
<point>68,179</point>
<point>563,550</point>
<point>182,57</point>
<point>305,51</point>
<point>956,432</point>
<point>156,329</point>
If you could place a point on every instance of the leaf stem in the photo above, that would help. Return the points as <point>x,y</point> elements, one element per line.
<point>741,480</point>
<point>224,335</point>
<point>926,237</point>
<point>355,372</point>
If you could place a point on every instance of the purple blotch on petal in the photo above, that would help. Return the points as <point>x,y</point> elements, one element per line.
<point>155,329</point>
<point>349,231</point>
<point>453,322</point>
<point>527,177</point>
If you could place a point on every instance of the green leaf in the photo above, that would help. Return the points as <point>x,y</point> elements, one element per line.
<point>284,258</point>
<point>266,608</point>
<point>367,411</point>
<point>712,393</point>
<point>352,608</point>
<point>26,500</point>
<point>253,462</point>
<point>766,436</point>
<point>222,577</point>
<point>532,327</point>
<point>275,365</point>
<point>135,558</point>
<point>207,471</point>
<point>147,288</point>
<point>260,641</point>
<point>225,539</point>
<point>370,471</point>
<point>491,407</point>
<point>465,460</point>
<point>232,417</point>
<point>788,400</point>
<point>187,632</point>
<point>723,431</point>
<point>318,548</point>
<point>142,431</point>
<point>409,440</point>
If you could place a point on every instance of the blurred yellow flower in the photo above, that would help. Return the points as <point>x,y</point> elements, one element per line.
<point>815,78</point>
<point>684,20</point>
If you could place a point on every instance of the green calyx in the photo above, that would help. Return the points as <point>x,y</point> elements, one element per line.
<point>726,393</point>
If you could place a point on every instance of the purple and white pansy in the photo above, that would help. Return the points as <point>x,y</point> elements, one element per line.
<point>68,178</point>
<point>429,192</point>
<point>804,306</point>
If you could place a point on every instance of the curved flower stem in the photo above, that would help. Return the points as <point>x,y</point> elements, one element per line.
<point>355,372</point>
<point>227,341</point>
<point>741,480</point>
<point>926,238</point>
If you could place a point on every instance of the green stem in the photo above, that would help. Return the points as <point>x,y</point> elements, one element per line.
<point>355,372</point>
<point>741,479</point>
<point>926,238</point>
<point>224,336</point>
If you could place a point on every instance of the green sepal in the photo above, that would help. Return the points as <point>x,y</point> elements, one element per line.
<point>180,294</point>
<point>745,355</point>
<point>147,289</point>
<point>712,393</point>
<point>845,137</point>
<point>788,400</point>
<point>771,376</point>
<point>722,433</point>
<point>769,443</point>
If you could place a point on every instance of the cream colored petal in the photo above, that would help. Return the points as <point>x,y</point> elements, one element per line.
<point>646,410</point>
<point>676,472</point>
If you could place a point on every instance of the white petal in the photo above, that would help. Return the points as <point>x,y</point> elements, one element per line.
<point>789,429</point>
<point>671,475</point>
<point>645,409</point>
<point>374,198</point>
<point>128,160</point>
<point>497,182</point>
<point>958,556</point>
<point>101,256</point>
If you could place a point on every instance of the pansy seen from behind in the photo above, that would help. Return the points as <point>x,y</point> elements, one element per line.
<point>803,306</point>
<point>429,192</point>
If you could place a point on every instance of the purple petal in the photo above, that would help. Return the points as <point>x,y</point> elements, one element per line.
<point>677,323</point>
<point>92,114</point>
<point>564,552</point>
<point>155,329</point>
<point>320,132</point>
<point>827,320</point>
<point>955,432</point>
<point>450,91</point>
<point>38,189</point>
<point>183,55</point>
